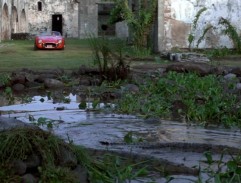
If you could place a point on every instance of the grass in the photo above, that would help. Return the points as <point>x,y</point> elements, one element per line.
<point>20,143</point>
<point>18,54</point>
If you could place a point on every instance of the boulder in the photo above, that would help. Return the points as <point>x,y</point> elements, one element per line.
<point>201,69</point>
<point>18,87</point>
<point>11,123</point>
<point>53,83</point>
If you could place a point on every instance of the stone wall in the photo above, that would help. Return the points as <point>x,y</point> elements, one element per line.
<point>176,22</point>
<point>42,16</point>
<point>13,16</point>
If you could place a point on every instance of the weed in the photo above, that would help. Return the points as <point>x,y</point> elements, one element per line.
<point>43,122</point>
<point>9,95</point>
<point>201,99</point>
<point>231,31</point>
<point>109,57</point>
<point>139,22</point>
<point>191,36</point>
<point>4,79</point>
<point>229,171</point>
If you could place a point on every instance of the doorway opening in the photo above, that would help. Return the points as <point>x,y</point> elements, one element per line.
<point>57,23</point>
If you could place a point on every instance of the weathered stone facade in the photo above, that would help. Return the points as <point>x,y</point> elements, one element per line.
<point>13,16</point>
<point>175,22</point>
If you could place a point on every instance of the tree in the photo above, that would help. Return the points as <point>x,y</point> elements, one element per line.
<point>139,22</point>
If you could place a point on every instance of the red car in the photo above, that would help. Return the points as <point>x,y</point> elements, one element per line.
<point>50,41</point>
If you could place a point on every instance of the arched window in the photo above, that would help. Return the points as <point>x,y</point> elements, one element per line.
<point>39,6</point>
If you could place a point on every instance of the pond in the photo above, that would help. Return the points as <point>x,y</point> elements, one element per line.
<point>178,146</point>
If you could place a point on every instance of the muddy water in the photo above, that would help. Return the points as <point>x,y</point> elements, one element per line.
<point>89,128</point>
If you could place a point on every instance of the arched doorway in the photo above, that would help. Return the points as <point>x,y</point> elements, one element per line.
<point>14,20</point>
<point>5,23</point>
<point>23,22</point>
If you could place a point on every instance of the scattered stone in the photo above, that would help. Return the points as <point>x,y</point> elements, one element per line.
<point>131,88</point>
<point>32,161</point>
<point>67,157</point>
<point>238,86</point>
<point>230,76</point>
<point>84,82</point>
<point>18,87</point>
<point>53,83</point>
<point>188,57</point>
<point>201,69</point>
<point>81,174</point>
<point>29,178</point>
<point>19,167</point>
<point>236,71</point>
<point>11,123</point>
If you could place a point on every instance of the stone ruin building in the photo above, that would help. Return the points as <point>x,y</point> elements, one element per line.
<point>75,18</point>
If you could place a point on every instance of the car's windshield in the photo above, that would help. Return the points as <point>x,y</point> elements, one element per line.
<point>52,33</point>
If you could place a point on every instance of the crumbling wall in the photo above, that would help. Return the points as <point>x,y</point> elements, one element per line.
<point>5,28</point>
<point>88,18</point>
<point>13,18</point>
<point>178,17</point>
<point>40,20</point>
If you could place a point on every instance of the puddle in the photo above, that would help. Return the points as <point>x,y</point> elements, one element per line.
<point>88,128</point>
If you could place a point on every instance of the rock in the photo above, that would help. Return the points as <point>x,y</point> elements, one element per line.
<point>84,82</point>
<point>201,69</point>
<point>29,178</point>
<point>238,86</point>
<point>30,84</point>
<point>95,82</point>
<point>41,77</point>
<point>81,174</point>
<point>67,157</point>
<point>19,167</point>
<point>18,77</point>
<point>11,123</point>
<point>230,76</point>
<point>236,71</point>
<point>32,161</point>
<point>30,77</point>
<point>18,87</point>
<point>53,83</point>
<point>131,88</point>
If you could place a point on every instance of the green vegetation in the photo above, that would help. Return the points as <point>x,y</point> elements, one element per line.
<point>226,172</point>
<point>191,36</point>
<point>139,22</point>
<point>185,96</point>
<point>19,143</point>
<point>18,54</point>
<point>231,31</point>
<point>109,57</point>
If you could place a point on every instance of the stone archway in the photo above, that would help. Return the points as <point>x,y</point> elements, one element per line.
<point>23,22</point>
<point>5,23</point>
<point>14,20</point>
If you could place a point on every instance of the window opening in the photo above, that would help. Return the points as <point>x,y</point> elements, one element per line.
<point>39,6</point>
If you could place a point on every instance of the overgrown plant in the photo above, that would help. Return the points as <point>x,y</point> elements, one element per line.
<point>4,79</point>
<point>109,57</point>
<point>203,35</point>
<point>139,22</point>
<point>231,31</point>
<point>229,171</point>
<point>184,96</point>
<point>19,143</point>
<point>191,36</point>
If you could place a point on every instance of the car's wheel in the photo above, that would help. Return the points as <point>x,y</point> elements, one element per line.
<point>35,47</point>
